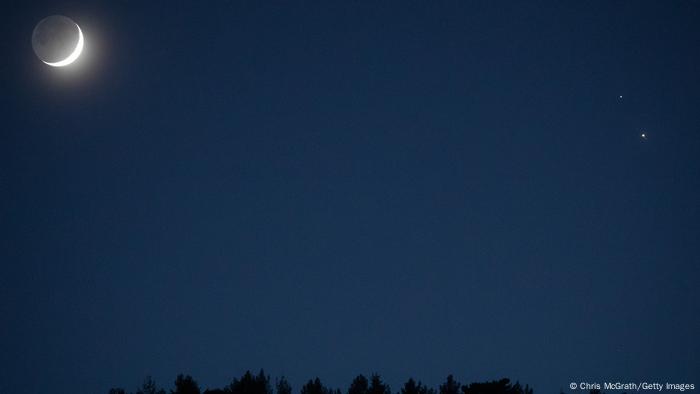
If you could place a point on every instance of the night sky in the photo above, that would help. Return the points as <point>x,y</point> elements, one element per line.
<point>413,188</point>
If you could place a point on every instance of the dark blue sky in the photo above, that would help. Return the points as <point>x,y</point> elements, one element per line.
<point>333,188</point>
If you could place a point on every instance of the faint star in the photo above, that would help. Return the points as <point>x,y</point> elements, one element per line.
<point>644,135</point>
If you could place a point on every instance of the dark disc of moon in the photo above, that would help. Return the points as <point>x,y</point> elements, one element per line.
<point>55,38</point>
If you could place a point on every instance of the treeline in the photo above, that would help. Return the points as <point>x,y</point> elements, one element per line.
<point>260,384</point>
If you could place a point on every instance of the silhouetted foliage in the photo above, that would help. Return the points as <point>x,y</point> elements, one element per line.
<point>260,384</point>
<point>315,387</point>
<point>518,389</point>
<point>411,387</point>
<point>502,386</point>
<point>185,385</point>
<point>283,387</point>
<point>250,384</point>
<point>359,385</point>
<point>376,386</point>
<point>451,386</point>
<point>149,387</point>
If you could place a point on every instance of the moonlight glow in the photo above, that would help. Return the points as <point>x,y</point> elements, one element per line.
<point>73,56</point>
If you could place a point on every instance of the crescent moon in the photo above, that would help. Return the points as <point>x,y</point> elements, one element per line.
<point>73,56</point>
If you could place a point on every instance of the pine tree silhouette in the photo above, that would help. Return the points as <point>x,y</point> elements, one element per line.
<point>315,387</point>
<point>451,386</point>
<point>249,384</point>
<point>185,385</point>
<point>359,385</point>
<point>149,387</point>
<point>282,386</point>
<point>411,387</point>
<point>376,386</point>
<point>502,386</point>
<point>260,384</point>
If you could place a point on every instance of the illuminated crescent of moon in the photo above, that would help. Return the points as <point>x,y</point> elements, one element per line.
<point>76,52</point>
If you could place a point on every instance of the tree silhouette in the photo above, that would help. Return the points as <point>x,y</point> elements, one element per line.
<point>376,386</point>
<point>451,386</point>
<point>411,387</point>
<point>185,385</point>
<point>260,384</point>
<point>283,387</point>
<point>502,386</point>
<point>315,387</point>
<point>359,385</point>
<point>517,389</point>
<point>250,384</point>
<point>149,387</point>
